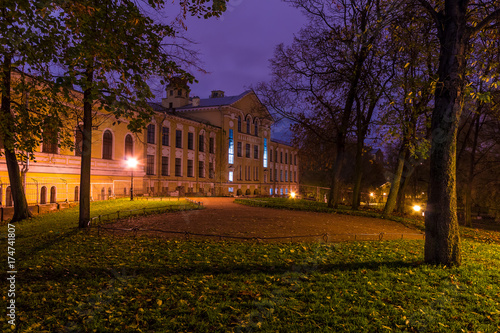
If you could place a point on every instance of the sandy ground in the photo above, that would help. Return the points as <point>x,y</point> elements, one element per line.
<point>225,218</point>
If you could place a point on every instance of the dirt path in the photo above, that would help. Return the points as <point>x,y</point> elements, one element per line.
<point>223,217</point>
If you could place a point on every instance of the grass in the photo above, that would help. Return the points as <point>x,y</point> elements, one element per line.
<point>80,282</point>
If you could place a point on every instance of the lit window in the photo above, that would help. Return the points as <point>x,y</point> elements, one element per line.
<point>230,189</point>
<point>265,153</point>
<point>230,176</point>
<point>231,148</point>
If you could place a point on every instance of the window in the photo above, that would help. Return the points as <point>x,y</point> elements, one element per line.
<point>248,125</point>
<point>190,141</point>
<point>286,158</point>
<point>49,139</point>
<point>281,191</point>
<point>178,139</point>
<point>255,151</point>
<point>43,196</point>
<point>164,165</point>
<point>230,189</point>
<point>271,175</point>
<point>256,129</point>
<point>271,191</point>
<point>151,133</point>
<point>201,143</point>
<point>201,169</point>
<point>230,178</point>
<point>270,154</point>
<point>281,175</point>
<point>276,156</point>
<point>53,194</point>
<point>178,167</point>
<point>239,124</point>
<point>295,160</point>
<point>179,92</point>
<point>212,146</point>
<point>239,149</point>
<point>211,172</point>
<point>190,169</point>
<point>295,176</point>
<point>286,175</point>
<point>281,157</point>
<point>265,154</point>
<point>150,165</point>
<point>107,145</point>
<point>275,175</point>
<point>231,148</point>
<point>129,146</point>
<point>165,133</point>
<point>247,152</point>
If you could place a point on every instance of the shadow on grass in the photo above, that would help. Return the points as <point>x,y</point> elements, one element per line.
<point>238,270</point>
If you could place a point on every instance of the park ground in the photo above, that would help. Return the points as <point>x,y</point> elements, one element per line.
<point>69,280</point>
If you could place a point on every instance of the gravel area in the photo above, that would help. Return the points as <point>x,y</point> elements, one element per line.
<point>224,217</point>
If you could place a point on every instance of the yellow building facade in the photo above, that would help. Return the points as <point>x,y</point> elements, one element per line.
<point>216,146</point>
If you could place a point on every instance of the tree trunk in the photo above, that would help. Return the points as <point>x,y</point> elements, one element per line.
<point>358,172</point>
<point>442,239</point>
<point>401,201</point>
<point>86,158</point>
<point>333,197</point>
<point>21,210</point>
<point>393,193</point>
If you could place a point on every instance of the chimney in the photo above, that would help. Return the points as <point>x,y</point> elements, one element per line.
<point>217,94</point>
<point>195,101</point>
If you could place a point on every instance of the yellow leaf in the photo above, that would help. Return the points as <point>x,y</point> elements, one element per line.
<point>159,302</point>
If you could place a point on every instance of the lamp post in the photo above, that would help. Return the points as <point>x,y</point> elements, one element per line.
<point>131,163</point>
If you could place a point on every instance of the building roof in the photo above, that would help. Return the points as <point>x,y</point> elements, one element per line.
<point>216,101</point>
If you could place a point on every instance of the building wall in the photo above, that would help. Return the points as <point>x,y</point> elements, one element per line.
<point>56,176</point>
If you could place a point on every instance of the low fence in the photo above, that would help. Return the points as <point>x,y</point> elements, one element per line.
<point>119,214</point>
<point>326,237</point>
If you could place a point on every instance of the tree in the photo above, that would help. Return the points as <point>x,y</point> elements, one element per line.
<point>113,49</point>
<point>29,37</point>
<point>324,69</point>
<point>456,21</point>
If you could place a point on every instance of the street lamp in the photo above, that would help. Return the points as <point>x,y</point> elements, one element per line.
<point>131,163</point>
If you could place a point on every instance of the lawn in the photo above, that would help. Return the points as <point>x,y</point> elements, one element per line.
<point>77,281</point>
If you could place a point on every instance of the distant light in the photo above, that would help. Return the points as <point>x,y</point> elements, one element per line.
<point>292,195</point>
<point>372,194</point>
<point>417,208</point>
<point>132,162</point>
<point>385,193</point>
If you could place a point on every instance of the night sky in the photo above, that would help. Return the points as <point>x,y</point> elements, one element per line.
<point>235,49</point>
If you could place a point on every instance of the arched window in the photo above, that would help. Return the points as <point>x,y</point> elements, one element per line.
<point>248,125</point>
<point>129,146</point>
<point>110,192</point>
<point>239,124</point>
<point>256,130</point>
<point>43,195</point>
<point>53,194</point>
<point>78,142</point>
<point>103,193</point>
<point>150,137</point>
<point>77,193</point>
<point>8,197</point>
<point>107,145</point>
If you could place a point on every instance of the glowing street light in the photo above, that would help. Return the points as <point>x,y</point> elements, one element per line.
<point>417,208</point>
<point>131,163</point>
<point>372,194</point>
<point>292,195</point>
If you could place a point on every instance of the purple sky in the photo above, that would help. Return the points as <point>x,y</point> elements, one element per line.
<point>235,49</point>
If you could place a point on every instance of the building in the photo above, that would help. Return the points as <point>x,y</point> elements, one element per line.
<point>216,146</point>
